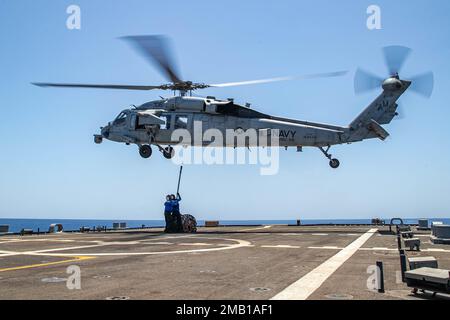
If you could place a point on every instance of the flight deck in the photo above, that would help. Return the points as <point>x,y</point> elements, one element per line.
<point>239,262</point>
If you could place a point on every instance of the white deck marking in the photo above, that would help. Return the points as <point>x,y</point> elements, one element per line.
<point>44,251</point>
<point>61,252</point>
<point>305,286</point>
<point>258,228</point>
<point>157,243</point>
<point>319,234</point>
<point>6,253</point>
<point>118,243</point>
<point>238,244</point>
<point>282,246</point>
<point>434,250</point>
<point>64,249</point>
<point>37,240</point>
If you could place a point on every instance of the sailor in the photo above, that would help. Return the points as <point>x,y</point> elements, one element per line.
<point>176,212</point>
<point>168,207</point>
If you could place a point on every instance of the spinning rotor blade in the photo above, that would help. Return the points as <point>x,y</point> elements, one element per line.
<point>423,84</point>
<point>395,57</point>
<point>310,76</point>
<point>156,50</point>
<point>243,83</point>
<point>365,81</point>
<point>95,86</point>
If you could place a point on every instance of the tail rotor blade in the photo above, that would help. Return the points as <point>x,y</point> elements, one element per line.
<point>365,81</point>
<point>423,84</point>
<point>156,49</point>
<point>395,57</point>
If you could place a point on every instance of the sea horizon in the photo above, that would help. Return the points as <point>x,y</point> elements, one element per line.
<point>38,224</point>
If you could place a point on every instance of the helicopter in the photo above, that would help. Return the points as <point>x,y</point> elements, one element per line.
<point>153,123</point>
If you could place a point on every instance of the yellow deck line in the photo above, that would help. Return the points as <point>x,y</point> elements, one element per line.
<point>78,258</point>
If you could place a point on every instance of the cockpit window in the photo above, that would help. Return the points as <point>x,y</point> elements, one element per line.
<point>121,118</point>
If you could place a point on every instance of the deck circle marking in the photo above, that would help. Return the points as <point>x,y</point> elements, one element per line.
<point>238,244</point>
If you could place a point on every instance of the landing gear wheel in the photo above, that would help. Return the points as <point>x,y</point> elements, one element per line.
<point>168,153</point>
<point>334,163</point>
<point>145,151</point>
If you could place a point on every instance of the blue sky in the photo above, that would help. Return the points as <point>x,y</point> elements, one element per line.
<point>50,167</point>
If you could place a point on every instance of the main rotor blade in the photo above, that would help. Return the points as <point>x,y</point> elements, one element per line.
<point>95,86</point>
<point>156,49</point>
<point>309,76</point>
<point>423,84</point>
<point>243,83</point>
<point>395,57</point>
<point>365,81</point>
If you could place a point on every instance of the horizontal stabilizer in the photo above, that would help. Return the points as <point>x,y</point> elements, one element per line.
<point>377,129</point>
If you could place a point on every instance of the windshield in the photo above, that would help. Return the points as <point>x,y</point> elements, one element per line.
<point>120,118</point>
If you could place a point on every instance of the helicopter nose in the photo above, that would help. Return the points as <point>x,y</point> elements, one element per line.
<point>105,132</point>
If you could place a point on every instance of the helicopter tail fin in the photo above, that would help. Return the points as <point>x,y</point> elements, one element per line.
<point>381,111</point>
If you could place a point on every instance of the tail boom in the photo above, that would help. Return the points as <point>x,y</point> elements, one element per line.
<point>382,110</point>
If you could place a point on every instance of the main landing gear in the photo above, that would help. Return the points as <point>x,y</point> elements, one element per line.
<point>146,151</point>
<point>334,163</point>
<point>168,152</point>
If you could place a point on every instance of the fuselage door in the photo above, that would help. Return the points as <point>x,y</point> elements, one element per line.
<point>165,128</point>
<point>182,121</point>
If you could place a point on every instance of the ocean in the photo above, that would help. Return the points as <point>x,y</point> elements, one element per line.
<point>15,225</point>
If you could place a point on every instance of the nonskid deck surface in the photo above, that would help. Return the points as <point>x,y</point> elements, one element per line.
<point>262,262</point>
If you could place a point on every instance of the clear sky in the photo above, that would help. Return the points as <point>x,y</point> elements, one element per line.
<point>51,168</point>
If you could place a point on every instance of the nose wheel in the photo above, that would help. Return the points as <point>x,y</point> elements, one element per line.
<point>334,163</point>
<point>145,151</point>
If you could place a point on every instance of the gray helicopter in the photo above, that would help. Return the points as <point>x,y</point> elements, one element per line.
<point>154,122</point>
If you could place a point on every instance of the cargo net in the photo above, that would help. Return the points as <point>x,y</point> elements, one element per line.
<point>189,223</point>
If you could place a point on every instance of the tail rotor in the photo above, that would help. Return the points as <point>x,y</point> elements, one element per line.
<point>394,58</point>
